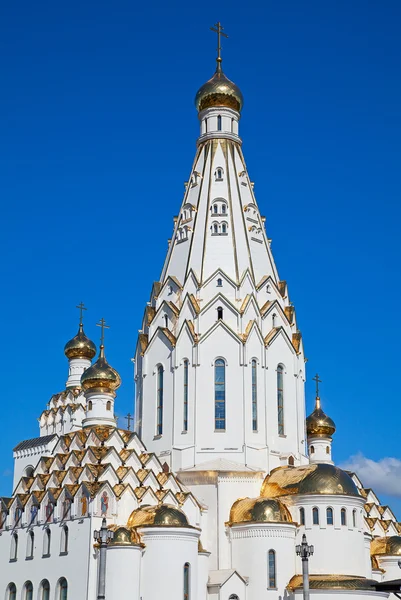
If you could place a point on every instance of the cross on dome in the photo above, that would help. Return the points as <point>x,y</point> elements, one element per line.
<point>218,28</point>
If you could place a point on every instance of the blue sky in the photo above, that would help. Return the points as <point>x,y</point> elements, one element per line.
<point>98,134</point>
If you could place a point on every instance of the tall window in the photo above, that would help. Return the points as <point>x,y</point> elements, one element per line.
<point>30,541</point>
<point>302,516</point>
<point>343,516</point>
<point>219,123</point>
<point>272,569</point>
<point>280,399</point>
<point>186,581</point>
<point>219,313</point>
<point>215,228</point>
<point>315,516</point>
<point>329,516</point>
<point>14,547</point>
<point>354,518</point>
<point>90,405</point>
<point>44,590</point>
<point>312,449</point>
<point>28,591</point>
<point>64,540</point>
<point>254,396</point>
<point>215,209</point>
<point>108,405</point>
<point>219,283</point>
<point>11,592</point>
<point>219,395</point>
<point>46,542</point>
<point>159,429</point>
<point>224,228</point>
<point>186,363</point>
<point>62,589</point>
<point>223,208</point>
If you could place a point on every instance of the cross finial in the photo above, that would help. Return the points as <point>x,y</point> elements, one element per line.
<point>81,307</point>
<point>102,324</point>
<point>317,380</point>
<point>129,418</point>
<point>218,28</point>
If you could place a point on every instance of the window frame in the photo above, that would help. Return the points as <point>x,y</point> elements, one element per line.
<point>30,545</point>
<point>28,589</point>
<point>302,516</point>
<point>254,376</point>
<point>343,517</point>
<point>185,391</point>
<point>220,388</point>
<point>271,570</point>
<point>280,399</point>
<point>159,399</point>
<point>43,589</point>
<point>315,512</point>
<point>329,516</point>
<point>11,589</point>
<point>187,581</point>
<point>47,538</point>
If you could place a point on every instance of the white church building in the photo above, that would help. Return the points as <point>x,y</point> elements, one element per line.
<point>211,494</point>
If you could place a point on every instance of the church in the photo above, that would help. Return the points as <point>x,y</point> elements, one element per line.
<point>224,480</point>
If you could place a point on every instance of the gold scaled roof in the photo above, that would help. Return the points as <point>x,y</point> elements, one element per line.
<point>125,537</point>
<point>219,91</point>
<point>259,510</point>
<point>388,546</point>
<point>310,479</point>
<point>333,582</point>
<point>163,515</point>
<point>80,346</point>
<point>100,375</point>
<point>318,423</point>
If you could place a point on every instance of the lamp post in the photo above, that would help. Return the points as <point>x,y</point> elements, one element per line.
<point>305,551</point>
<point>102,537</point>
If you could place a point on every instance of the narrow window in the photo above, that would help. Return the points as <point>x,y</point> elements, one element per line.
<point>274,320</point>
<point>215,209</point>
<point>205,125</point>
<point>220,395</point>
<point>315,516</point>
<point>186,581</point>
<point>30,542</point>
<point>343,516</point>
<point>14,547</point>
<point>166,321</point>
<point>159,429</point>
<point>327,449</point>
<point>291,461</point>
<point>219,313</point>
<point>272,569</point>
<point>223,209</point>
<point>219,123</point>
<point>186,363</point>
<point>254,396</point>
<point>302,516</point>
<point>46,542</point>
<point>11,592</point>
<point>219,283</point>
<point>216,228</point>
<point>329,516</point>
<point>90,405</point>
<point>62,589</point>
<point>44,590</point>
<point>232,125</point>
<point>28,591</point>
<point>64,540</point>
<point>354,517</point>
<point>312,449</point>
<point>280,399</point>
<point>224,228</point>
<point>108,405</point>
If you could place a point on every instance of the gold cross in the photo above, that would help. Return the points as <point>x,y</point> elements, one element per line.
<point>316,378</point>
<point>217,28</point>
<point>81,311</point>
<point>102,324</point>
<point>129,419</point>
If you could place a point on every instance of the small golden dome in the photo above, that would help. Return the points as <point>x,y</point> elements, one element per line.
<point>100,375</point>
<point>389,546</point>
<point>259,510</point>
<point>80,346</point>
<point>318,478</point>
<point>125,537</point>
<point>318,423</point>
<point>219,91</point>
<point>163,515</point>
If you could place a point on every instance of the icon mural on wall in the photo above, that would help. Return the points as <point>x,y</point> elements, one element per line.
<point>84,505</point>
<point>3,517</point>
<point>34,513</point>
<point>49,511</point>
<point>104,504</point>
<point>17,514</point>
<point>67,508</point>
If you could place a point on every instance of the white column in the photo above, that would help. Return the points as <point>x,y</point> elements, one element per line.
<point>123,572</point>
<point>320,449</point>
<point>99,409</point>
<point>76,367</point>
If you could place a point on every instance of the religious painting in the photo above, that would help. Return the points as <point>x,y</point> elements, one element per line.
<point>34,514</point>
<point>49,511</point>
<point>104,504</point>
<point>17,515</point>
<point>3,517</point>
<point>66,510</point>
<point>84,505</point>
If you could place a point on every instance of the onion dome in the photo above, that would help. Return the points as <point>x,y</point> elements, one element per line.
<point>80,346</point>
<point>318,423</point>
<point>387,546</point>
<point>163,515</point>
<point>100,376</point>
<point>219,91</point>
<point>259,510</point>
<point>320,478</point>
<point>333,582</point>
<point>125,537</point>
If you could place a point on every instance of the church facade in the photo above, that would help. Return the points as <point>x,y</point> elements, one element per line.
<point>212,493</point>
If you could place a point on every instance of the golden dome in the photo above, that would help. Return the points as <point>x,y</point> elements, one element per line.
<point>219,91</point>
<point>80,346</point>
<point>100,375</point>
<point>318,423</point>
<point>259,510</point>
<point>390,546</point>
<point>318,478</point>
<point>333,582</point>
<point>163,515</point>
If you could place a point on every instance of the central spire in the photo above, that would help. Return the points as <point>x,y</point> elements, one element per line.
<point>217,28</point>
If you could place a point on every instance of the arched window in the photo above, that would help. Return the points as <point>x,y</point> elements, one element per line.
<point>90,405</point>
<point>29,471</point>
<point>327,449</point>
<point>219,395</point>
<point>354,518</point>
<point>315,516</point>
<point>343,516</point>
<point>219,174</point>
<point>28,591</point>
<point>219,123</point>
<point>14,547</point>
<point>272,569</point>
<point>30,544</point>
<point>233,597</point>
<point>254,396</point>
<point>11,592</point>
<point>312,449</point>
<point>62,589</point>
<point>159,428</point>
<point>215,209</point>
<point>64,540</point>
<point>291,461</point>
<point>232,124</point>
<point>215,228</point>
<point>186,364</point>
<point>186,581</point>
<point>219,283</point>
<point>46,542</point>
<point>44,590</point>
<point>274,320</point>
<point>280,399</point>
<point>329,516</point>
<point>205,125</point>
<point>166,321</point>
<point>219,313</point>
<point>224,228</point>
<point>108,405</point>
<point>302,516</point>
<point>223,209</point>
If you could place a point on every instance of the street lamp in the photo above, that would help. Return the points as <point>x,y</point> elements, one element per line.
<point>102,537</point>
<point>305,551</point>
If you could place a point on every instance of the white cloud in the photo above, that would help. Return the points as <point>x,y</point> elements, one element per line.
<point>383,476</point>
<point>7,473</point>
